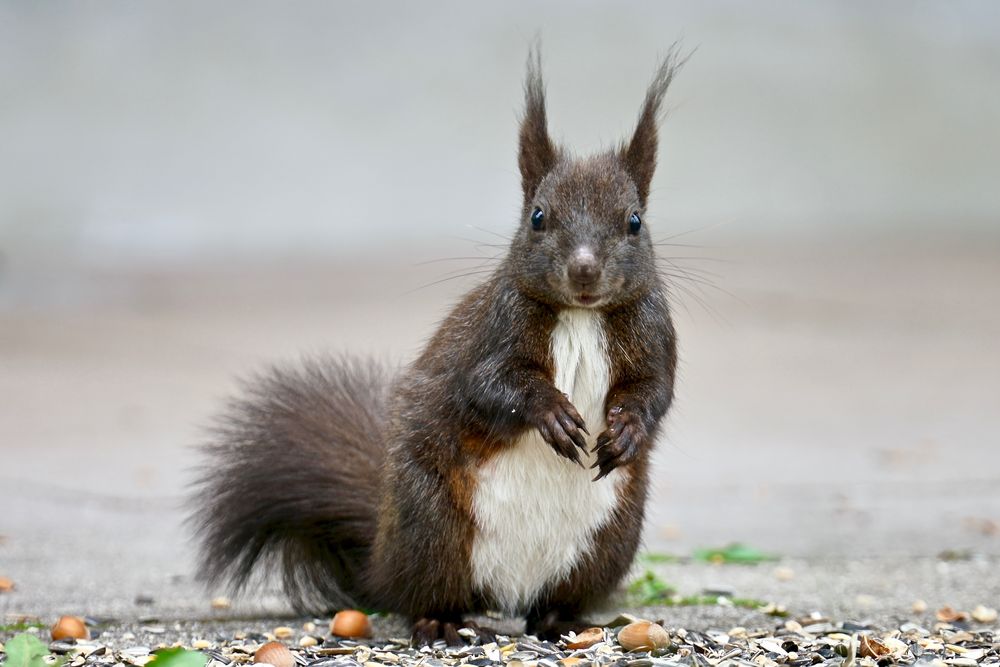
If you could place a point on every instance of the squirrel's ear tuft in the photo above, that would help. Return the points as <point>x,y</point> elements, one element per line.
<point>537,154</point>
<point>639,155</point>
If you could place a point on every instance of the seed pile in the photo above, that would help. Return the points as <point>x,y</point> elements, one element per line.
<point>813,641</point>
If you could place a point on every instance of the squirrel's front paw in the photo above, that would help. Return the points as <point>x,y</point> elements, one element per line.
<point>562,427</point>
<point>620,443</point>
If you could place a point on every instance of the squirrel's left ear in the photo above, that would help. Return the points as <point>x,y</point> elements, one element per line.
<point>639,155</point>
<point>536,152</point>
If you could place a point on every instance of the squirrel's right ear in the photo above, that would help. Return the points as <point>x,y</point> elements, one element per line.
<point>537,154</point>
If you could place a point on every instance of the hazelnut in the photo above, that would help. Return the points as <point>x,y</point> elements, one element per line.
<point>274,653</point>
<point>351,623</point>
<point>70,627</point>
<point>643,636</point>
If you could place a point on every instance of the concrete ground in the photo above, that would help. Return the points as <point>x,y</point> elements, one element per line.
<point>837,407</point>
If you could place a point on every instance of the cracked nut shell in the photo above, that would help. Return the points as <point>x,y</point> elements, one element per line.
<point>275,653</point>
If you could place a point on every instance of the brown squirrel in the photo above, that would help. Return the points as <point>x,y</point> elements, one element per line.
<point>506,468</point>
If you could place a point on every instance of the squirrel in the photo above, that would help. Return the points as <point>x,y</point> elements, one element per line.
<point>506,468</point>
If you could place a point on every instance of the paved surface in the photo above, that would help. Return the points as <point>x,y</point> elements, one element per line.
<point>838,409</point>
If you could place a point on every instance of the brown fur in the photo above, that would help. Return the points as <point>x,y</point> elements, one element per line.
<point>364,487</point>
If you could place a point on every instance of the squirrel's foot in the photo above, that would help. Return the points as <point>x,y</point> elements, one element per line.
<point>552,626</point>
<point>620,443</point>
<point>428,630</point>
<point>562,427</point>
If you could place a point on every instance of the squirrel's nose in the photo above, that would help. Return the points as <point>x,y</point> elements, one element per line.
<point>583,268</point>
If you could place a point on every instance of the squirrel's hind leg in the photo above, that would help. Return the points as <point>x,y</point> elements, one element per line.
<point>428,630</point>
<point>552,624</point>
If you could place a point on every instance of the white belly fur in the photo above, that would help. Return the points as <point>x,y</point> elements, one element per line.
<point>536,512</point>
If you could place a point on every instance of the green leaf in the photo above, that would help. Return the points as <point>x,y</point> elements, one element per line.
<point>22,626</point>
<point>734,553</point>
<point>25,651</point>
<point>178,657</point>
<point>653,557</point>
<point>649,589</point>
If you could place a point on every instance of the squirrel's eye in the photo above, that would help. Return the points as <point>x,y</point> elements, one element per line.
<point>634,223</point>
<point>537,219</point>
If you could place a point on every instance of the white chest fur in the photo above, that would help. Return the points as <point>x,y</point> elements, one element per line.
<point>536,513</point>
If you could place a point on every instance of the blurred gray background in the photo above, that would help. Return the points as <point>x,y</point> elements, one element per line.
<point>189,191</point>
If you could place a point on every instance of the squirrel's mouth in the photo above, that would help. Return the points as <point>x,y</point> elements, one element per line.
<point>585,299</point>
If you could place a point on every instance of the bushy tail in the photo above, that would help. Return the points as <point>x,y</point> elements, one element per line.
<point>291,482</point>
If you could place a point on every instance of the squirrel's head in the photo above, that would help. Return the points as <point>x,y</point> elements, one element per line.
<point>583,239</point>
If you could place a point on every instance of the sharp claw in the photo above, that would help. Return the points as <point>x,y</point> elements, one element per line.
<point>566,450</point>
<point>543,430</point>
<point>566,422</point>
<point>574,415</point>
